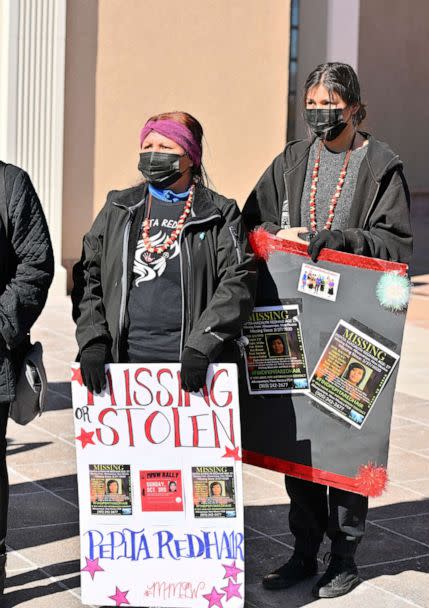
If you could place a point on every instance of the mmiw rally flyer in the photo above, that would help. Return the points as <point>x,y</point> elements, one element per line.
<point>160,489</point>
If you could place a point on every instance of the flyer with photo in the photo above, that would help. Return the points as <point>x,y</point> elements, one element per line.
<point>213,491</point>
<point>110,489</point>
<point>161,490</point>
<point>351,373</point>
<point>275,357</point>
<point>319,282</point>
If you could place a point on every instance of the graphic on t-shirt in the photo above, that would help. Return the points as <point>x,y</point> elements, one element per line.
<point>147,265</point>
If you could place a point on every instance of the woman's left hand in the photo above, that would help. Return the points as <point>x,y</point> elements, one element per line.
<point>331,239</point>
<point>194,370</point>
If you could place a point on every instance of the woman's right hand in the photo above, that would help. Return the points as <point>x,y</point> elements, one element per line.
<point>92,362</point>
<point>291,234</point>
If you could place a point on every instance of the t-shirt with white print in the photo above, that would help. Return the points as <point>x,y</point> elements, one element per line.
<point>155,299</point>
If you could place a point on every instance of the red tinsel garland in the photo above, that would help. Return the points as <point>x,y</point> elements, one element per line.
<point>371,480</point>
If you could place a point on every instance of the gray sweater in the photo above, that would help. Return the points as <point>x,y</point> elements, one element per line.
<point>329,173</point>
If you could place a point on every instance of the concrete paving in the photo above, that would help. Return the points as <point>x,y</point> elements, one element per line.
<point>43,566</point>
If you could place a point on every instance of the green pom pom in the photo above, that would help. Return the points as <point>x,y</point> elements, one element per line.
<point>393,291</point>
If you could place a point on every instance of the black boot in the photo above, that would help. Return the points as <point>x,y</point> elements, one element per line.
<point>2,572</point>
<point>340,577</point>
<point>297,569</point>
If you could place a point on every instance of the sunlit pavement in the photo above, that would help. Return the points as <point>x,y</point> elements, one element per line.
<point>43,567</point>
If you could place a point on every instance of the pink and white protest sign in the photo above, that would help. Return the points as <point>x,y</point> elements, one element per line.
<point>160,489</point>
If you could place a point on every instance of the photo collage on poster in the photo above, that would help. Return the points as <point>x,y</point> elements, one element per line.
<point>162,490</point>
<point>352,370</point>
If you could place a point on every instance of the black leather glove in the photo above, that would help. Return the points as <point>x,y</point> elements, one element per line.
<point>194,369</point>
<point>92,362</point>
<point>331,239</point>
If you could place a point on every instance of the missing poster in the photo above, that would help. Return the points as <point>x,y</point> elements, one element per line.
<point>275,357</point>
<point>351,373</point>
<point>161,490</point>
<point>214,491</point>
<point>110,489</point>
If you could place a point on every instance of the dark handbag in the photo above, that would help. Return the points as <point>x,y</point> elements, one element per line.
<point>27,358</point>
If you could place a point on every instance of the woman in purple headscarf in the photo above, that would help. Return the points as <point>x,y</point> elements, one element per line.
<point>166,273</point>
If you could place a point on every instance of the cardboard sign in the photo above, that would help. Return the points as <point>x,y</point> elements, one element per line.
<point>160,489</point>
<point>336,431</point>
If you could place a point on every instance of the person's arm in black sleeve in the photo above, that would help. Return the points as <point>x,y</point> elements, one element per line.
<point>92,331</point>
<point>263,206</point>
<point>232,301</point>
<point>25,295</point>
<point>388,236</point>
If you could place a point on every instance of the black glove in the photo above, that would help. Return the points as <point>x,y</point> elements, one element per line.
<point>92,362</point>
<point>331,239</point>
<point>194,370</point>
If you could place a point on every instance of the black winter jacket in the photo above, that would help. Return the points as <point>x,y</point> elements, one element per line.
<point>26,271</point>
<point>218,273</point>
<point>379,223</point>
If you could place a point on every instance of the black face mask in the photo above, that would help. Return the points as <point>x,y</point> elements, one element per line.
<point>160,168</point>
<point>326,124</point>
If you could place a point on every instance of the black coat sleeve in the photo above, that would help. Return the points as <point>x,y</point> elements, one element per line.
<point>33,261</point>
<point>387,234</point>
<point>87,294</point>
<point>263,207</point>
<point>232,302</point>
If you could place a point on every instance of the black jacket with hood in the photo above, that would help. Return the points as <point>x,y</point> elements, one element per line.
<point>218,273</point>
<point>26,272</point>
<point>379,222</point>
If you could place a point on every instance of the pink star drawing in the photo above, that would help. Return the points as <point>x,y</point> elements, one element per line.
<point>232,590</point>
<point>214,598</point>
<point>232,453</point>
<point>231,571</point>
<point>120,597</point>
<point>77,375</point>
<point>92,566</point>
<point>85,438</point>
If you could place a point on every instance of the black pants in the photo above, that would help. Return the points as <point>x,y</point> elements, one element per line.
<point>4,479</point>
<point>316,509</point>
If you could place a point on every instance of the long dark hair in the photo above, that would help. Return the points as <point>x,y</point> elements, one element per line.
<point>339,78</point>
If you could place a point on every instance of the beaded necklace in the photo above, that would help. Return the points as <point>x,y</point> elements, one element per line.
<point>169,241</point>
<point>337,194</point>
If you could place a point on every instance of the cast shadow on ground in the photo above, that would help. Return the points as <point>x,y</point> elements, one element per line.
<point>397,540</point>
<point>59,396</point>
<point>18,596</point>
<point>17,448</point>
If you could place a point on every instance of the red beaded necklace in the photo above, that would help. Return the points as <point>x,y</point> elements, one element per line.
<point>174,235</point>
<point>337,194</point>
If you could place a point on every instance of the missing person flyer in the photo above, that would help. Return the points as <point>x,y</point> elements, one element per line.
<point>161,490</point>
<point>275,357</point>
<point>110,489</point>
<point>214,491</point>
<point>351,373</point>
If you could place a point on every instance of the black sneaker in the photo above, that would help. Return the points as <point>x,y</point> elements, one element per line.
<point>297,569</point>
<point>340,577</point>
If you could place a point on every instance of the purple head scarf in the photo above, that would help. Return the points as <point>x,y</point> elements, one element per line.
<point>178,133</point>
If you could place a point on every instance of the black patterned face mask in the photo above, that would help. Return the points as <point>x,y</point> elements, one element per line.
<point>327,124</point>
<point>160,168</point>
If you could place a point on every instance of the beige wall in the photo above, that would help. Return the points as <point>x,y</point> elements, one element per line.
<point>393,69</point>
<point>225,61</point>
<point>79,124</point>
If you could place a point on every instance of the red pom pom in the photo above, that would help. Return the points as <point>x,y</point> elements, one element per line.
<point>371,480</point>
<point>262,243</point>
